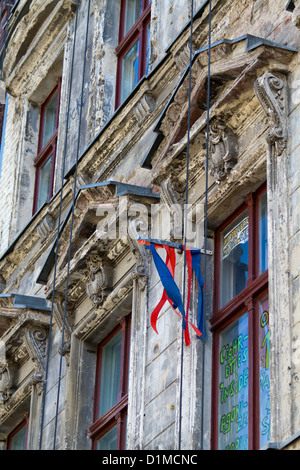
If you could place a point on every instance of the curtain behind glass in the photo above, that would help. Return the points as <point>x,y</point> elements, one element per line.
<point>130,64</point>
<point>44,182</point>
<point>109,440</point>
<point>110,373</point>
<point>132,12</point>
<point>49,119</point>
<point>18,441</point>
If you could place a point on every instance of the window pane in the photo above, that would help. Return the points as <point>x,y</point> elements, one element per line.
<point>263,234</point>
<point>264,373</point>
<point>49,119</point>
<point>44,187</point>
<point>18,441</point>
<point>148,48</point>
<point>110,373</point>
<point>130,64</point>
<point>132,12</point>
<point>234,259</point>
<point>233,386</point>
<point>109,440</point>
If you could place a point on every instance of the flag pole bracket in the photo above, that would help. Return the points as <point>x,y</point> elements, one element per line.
<point>177,246</point>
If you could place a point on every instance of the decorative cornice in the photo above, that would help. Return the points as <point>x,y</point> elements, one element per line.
<point>25,339</point>
<point>232,70</point>
<point>25,32</point>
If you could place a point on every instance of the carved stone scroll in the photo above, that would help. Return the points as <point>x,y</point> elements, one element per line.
<point>270,90</point>
<point>36,344</point>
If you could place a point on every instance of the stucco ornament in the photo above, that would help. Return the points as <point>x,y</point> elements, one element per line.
<point>98,282</point>
<point>223,150</point>
<point>271,92</point>
<point>6,381</point>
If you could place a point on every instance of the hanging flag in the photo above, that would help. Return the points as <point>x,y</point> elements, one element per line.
<point>171,293</point>
<point>170,262</point>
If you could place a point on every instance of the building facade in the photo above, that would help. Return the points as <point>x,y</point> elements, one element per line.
<point>149,156</point>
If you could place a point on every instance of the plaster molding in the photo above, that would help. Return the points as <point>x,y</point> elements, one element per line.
<point>16,58</point>
<point>7,380</point>
<point>271,91</point>
<point>223,150</point>
<point>24,341</point>
<point>99,280</point>
<point>35,339</point>
<point>174,201</point>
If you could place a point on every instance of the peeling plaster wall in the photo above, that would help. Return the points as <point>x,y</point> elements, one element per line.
<point>294,238</point>
<point>9,172</point>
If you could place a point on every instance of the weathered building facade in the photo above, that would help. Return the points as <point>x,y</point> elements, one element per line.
<point>167,120</point>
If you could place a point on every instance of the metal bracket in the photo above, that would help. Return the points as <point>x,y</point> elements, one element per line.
<point>178,246</point>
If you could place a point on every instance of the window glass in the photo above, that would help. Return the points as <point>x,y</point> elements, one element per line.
<point>234,258</point>
<point>148,48</point>
<point>45,175</point>
<point>49,119</point>
<point>18,441</point>
<point>109,440</point>
<point>233,386</point>
<point>110,373</point>
<point>263,233</point>
<point>130,64</point>
<point>264,372</point>
<point>133,9</point>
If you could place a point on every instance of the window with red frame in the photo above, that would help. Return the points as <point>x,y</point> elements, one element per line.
<point>133,47</point>
<point>45,160</point>
<point>240,325</point>
<point>17,440</point>
<point>108,431</point>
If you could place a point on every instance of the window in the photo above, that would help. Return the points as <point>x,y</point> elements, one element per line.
<point>240,324</point>
<point>45,160</point>
<point>108,431</point>
<point>17,440</point>
<point>133,48</point>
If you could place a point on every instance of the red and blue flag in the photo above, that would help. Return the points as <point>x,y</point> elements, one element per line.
<point>171,292</point>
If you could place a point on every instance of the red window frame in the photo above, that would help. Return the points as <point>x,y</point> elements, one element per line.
<point>16,430</point>
<point>246,301</point>
<point>44,152</point>
<point>115,416</point>
<point>137,31</point>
